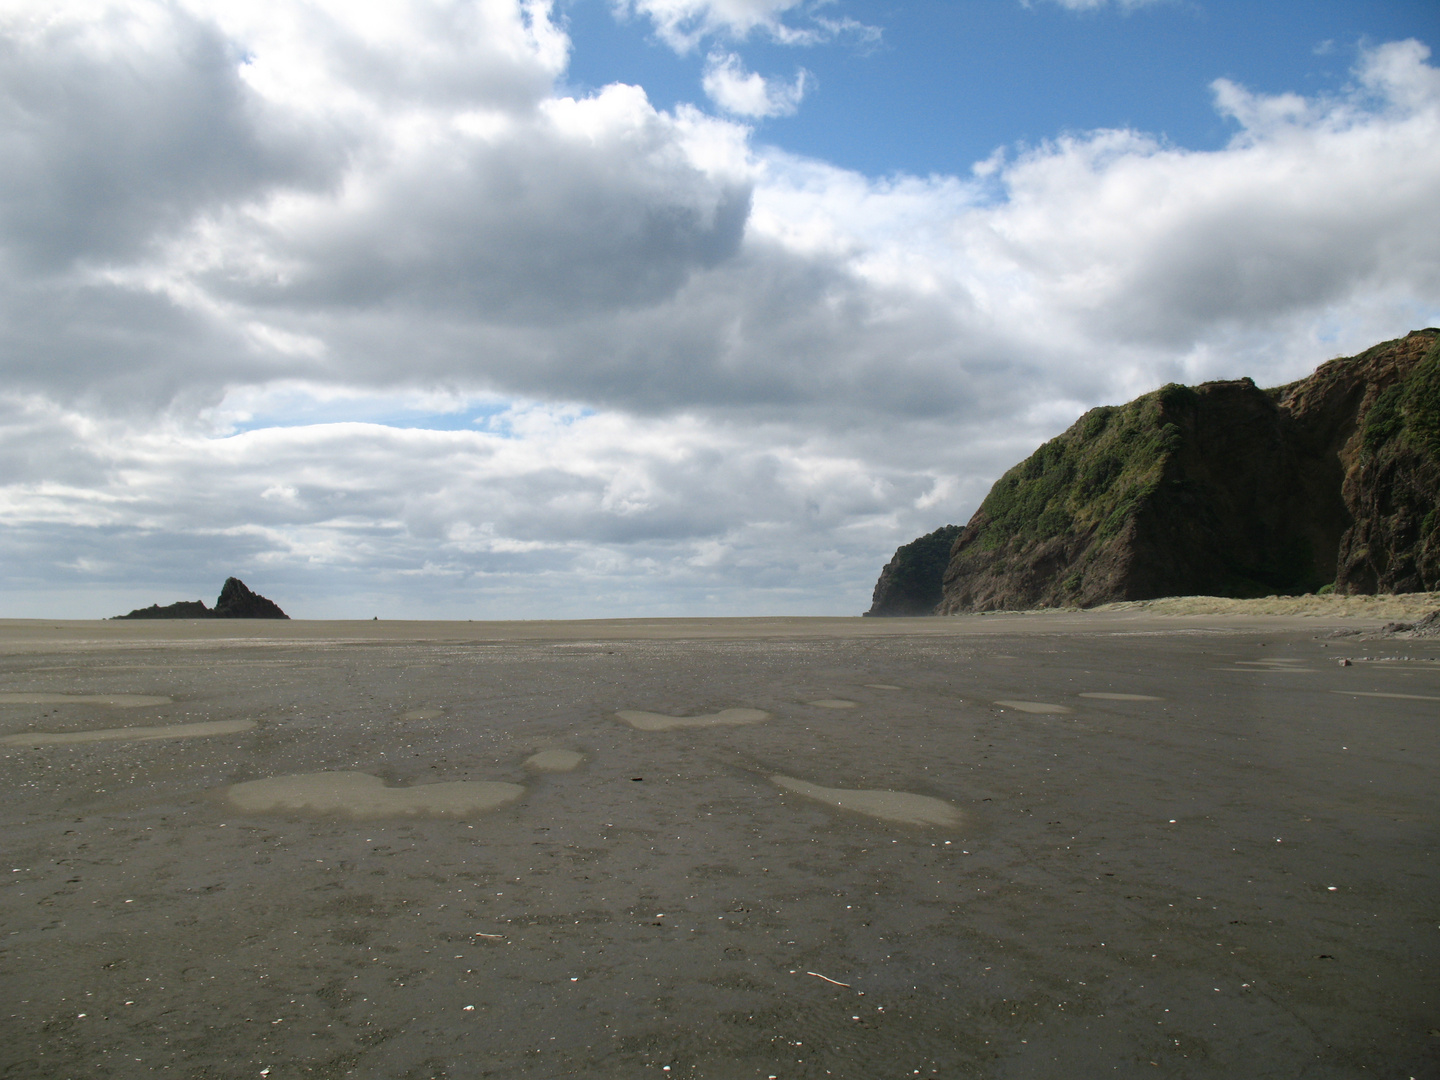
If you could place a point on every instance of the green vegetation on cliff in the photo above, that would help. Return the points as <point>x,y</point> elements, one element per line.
<point>1088,479</point>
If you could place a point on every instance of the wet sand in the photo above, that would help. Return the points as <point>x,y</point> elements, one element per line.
<point>1125,843</point>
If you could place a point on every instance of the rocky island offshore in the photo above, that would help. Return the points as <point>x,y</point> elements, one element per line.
<point>235,602</point>
<point>1222,489</point>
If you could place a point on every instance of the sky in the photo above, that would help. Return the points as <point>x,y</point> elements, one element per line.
<point>625,308</point>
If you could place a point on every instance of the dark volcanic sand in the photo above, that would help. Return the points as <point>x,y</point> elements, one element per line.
<point>1237,880</point>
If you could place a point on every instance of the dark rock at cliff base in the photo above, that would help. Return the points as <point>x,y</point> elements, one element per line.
<point>238,602</point>
<point>235,602</point>
<point>910,584</point>
<point>1426,627</point>
<point>1223,489</point>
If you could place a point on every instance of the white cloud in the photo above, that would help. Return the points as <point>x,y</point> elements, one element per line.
<point>356,299</point>
<point>1095,5</point>
<point>745,93</point>
<point>684,24</point>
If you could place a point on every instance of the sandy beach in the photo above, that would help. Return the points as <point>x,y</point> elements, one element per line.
<point>1148,841</point>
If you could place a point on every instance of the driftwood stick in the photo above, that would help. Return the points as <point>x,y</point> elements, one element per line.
<point>827,978</point>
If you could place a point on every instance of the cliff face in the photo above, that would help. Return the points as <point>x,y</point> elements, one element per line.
<point>235,602</point>
<point>1222,489</point>
<point>1392,475</point>
<point>910,582</point>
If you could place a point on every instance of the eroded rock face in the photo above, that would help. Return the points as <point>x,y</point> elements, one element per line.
<point>1222,489</point>
<point>910,583</point>
<point>235,602</point>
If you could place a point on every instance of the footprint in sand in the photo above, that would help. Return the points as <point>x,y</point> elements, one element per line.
<point>900,806</point>
<point>555,761</point>
<point>364,796</point>
<point>653,721</point>
<point>128,734</point>
<point>1037,707</point>
<point>832,703</point>
<point>1098,696</point>
<point>118,701</point>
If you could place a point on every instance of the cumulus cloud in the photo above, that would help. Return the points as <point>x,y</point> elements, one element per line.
<point>357,299</point>
<point>745,93</point>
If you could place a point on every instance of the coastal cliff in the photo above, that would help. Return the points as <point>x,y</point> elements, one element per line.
<point>1222,489</point>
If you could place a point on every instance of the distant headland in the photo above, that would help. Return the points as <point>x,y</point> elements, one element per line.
<point>235,602</point>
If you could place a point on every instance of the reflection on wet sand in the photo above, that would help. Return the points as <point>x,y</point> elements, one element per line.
<point>118,701</point>
<point>1040,708</point>
<point>555,760</point>
<point>362,795</point>
<point>900,806</point>
<point>130,734</point>
<point>650,721</point>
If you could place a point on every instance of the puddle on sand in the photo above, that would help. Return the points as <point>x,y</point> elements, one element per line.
<point>654,721</point>
<point>128,734</point>
<point>1098,696</point>
<point>362,795</point>
<point>119,701</point>
<point>555,760</point>
<point>1037,707</point>
<point>899,806</point>
<point>832,703</point>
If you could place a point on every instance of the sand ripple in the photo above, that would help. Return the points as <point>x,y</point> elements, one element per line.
<point>128,734</point>
<point>899,806</point>
<point>362,795</point>
<point>653,721</point>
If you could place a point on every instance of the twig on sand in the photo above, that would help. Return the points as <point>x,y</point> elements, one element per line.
<point>827,978</point>
<point>478,934</point>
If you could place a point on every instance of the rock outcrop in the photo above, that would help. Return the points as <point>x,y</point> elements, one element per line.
<point>235,602</point>
<point>181,609</point>
<point>910,584</point>
<point>238,602</point>
<point>1223,489</point>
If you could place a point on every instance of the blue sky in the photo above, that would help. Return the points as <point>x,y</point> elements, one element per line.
<point>947,83</point>
<point>586,308</point>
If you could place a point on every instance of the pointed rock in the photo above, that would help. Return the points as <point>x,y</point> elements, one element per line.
<point>238,602</point>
